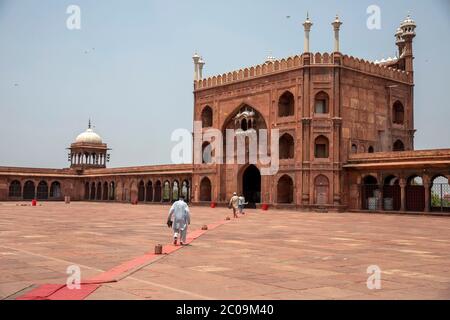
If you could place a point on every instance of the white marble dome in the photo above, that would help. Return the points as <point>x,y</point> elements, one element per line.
<point>89,136</point>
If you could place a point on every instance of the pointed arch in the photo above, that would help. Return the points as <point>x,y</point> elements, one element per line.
<point>286,104</point>
<point>205,189</point>
<point>207,117</point>
<point>286,146</point>
<point>285,190</point>
<point>15,189</point>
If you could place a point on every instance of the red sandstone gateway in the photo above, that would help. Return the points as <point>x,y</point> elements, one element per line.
<point>346,141</point>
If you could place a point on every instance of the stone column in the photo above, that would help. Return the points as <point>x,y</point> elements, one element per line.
<point>402,194</point>
<point>427,186</point>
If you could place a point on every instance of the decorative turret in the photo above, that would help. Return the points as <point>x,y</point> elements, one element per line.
<point>399,41</point>
<point>336,26</point>
<point>270,58</point>
<point>196,59</point>
<point>408,27</point>
<point>307,26</point>
<point>88,151</point>
<point>201,64</point>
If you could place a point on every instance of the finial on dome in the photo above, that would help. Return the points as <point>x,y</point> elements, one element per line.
<point>89,124</point>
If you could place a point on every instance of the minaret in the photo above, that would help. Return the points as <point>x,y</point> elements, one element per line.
<point>201,63</point>
<point>399,41</point>
<point>307,26</point>
<point>408,27</point>
<point>336,26</point>
<point>196,59</point>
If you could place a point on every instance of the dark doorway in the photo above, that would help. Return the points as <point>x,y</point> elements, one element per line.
<point>205,189</point>
<point>28,190</point>
<point>251,186</point>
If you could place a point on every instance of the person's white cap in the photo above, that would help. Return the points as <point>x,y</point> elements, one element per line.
<point>234,193</point>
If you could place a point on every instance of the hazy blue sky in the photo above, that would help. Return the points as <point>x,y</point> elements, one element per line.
<point>137,83</point>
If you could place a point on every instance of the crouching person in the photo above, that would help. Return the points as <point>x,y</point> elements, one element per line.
<point>179,218</point>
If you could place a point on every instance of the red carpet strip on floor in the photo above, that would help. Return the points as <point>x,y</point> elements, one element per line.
<point>61,292</point>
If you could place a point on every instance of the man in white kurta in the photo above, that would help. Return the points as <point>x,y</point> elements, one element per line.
<point>181,218</point>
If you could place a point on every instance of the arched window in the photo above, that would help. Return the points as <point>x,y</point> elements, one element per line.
<point>55,190</point>
<point>286,146</point>
<point>166,191</point>
<point>42,191</point>
<point>15,189</point>
<point>207,153</point>
<point>205,189</point>
<point>285,190</point>
<point>286,105</point>
<point>175,191</point>
<point>321,102</point>
<point>321,147</point>
<point>244,125</point>
<point>398,113</point>
<point>207,117</point>
<point>354,148</point>
<point>398,146</point>
<point>371,149</point>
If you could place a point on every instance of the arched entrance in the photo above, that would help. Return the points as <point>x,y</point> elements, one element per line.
<point>391,193</point>
<point>440,194</point>
<point>415,194</point>
<point>285,190</point>
<point>29,190</point>
<point>370,193</point>
<point>251,185</point>
<point>205,189</point>
<point>42,191</point>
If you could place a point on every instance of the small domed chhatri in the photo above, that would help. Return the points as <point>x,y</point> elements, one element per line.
<point>89,136</point>
<point>88,150</point>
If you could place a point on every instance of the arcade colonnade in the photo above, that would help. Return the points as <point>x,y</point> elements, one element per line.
<point>404,191</point>
<point>138,189</point>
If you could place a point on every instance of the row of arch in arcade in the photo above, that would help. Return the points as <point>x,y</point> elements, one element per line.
<point>100,191</point>
<point>285,190</point>
<point>410,194</point>
<point>43,190</point>
<point>166,192</point>
<point>398,145</point>
<point>146,191</point>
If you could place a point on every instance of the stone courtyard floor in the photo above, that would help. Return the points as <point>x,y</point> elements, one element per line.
<point>263,255</point>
